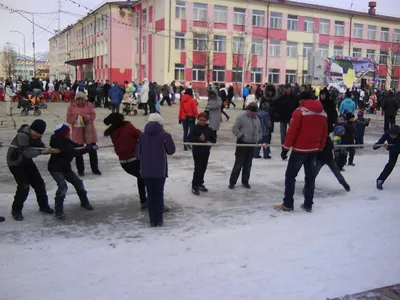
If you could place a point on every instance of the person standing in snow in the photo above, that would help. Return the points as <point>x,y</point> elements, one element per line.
<point>20,162</point>
<point>8,95</point>
<point>306,136</point>
<point>59,167</point>
<point>144,96</point>
<point>214,110</point>
<point>390,107</point>
<point>116,95</point>
<point>124,137</point>
<point>152,150</point>
<point>247,130</point>
<point>391,141</point>
<point>266,125</point>
<point>187,115</point>
<point>347,105</point>
<point>2,219</point>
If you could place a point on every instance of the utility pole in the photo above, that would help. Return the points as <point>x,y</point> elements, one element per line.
<point>33,45</point>
<point>244,47</point>
<point>58,37</point>
<point>23,35</point>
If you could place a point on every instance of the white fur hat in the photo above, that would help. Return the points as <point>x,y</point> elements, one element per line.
<point>156,117</point>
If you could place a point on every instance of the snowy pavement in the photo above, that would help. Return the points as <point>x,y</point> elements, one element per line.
<point>222,245</point>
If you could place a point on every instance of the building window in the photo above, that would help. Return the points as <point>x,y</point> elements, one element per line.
<point>324,26</point>
<point>237,74</point>
<point>144,44</point>
<point>144,16</point>
<point>396,36</point>
<point>258,18</point>
<point>339,28</point>
<point>396,59</point>
<point>239,16</point>
<point>275,20</point>
<point>180,10</point>
<point>291,49</point>
<point>371,32</point>
<point>199,42</point>
<point>218,74</point>
<point>219,43</point>
<point>337,51</point>
<point>273,76</point>
<point>137,45</point>
<point>371,54</point>
<point>290,76</point>
<point>200,12</point>
<point>383,58</point>
<point>309,25</point>
<point>237,45</point>
<point>384,34</point>
<point>358,31</point>
<point>323,51</point>
<point>275,48</point>
<point>257,47</point>
<point>220,14</point>
<point>256,75</point>
<point>292,23</point>
<point>381,81</point>
<point>136,20</point>
<point>199,73</point>
<point>357,52</point>
<point>394,83</point>
<point>179,72</point>
<point>307,48</point>
<point>179,41</point>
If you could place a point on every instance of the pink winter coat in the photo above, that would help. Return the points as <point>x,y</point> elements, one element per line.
<point>83,129</point>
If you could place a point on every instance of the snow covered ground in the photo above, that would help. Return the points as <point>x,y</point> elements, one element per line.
<point>222,245</point>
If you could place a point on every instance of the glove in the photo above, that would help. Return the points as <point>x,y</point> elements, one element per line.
<point>284,153</point>
<point>265,145</point>
<point>91,148</point>
<point>375,147</point>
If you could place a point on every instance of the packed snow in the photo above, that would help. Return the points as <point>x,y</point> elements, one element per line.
<point>224,244</point>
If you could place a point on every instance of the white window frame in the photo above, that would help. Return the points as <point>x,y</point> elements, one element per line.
<point>371,53</point>
<point>180,68</point>
<point>339,28</point>
<point>324,26</point>
<point>258,18</point>
<point>394,83</point>
<point>200,11</point>
<point>144,44</point>
<point>257,47</point>
<point>237,71</point>
<point>199,42</point>
<point>237,45</point>
<point>144,16</point>
<point>309,25</point>
<point>307,48</point>
<point>275,20</point>
<point>219,74</point>
<point>337,51</point>
<point>274,48</point>
<point>220,14</point>
<point>323,50</point>
<point>137,45</point>
<point>273,76</point>
<point>198,70</point>
<point>219,43</point>
<point>396,35</point>
<point>381,81</point>
<point>384,34</point>
<point>239,16</point>
<point>371,32</point>
<point>383,57</point>
<point>180,9</point>
<point>292,23</point>
<point>290,76</point>
<point>256,72</point>
<point>179,41</point>
<point>396,59</point>
<point>358,31</point>
<point>291,49</point>
<point>356,53</point>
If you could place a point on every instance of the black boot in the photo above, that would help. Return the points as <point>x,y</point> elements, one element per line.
<point>202,188</point>
<point>60,216</point>
<point>346,186</point>
<point>2,219</point>
<point>17,216</point>
<point>379,184</point>
<point>87,205</point>
<point>46,210</point>
<point>195,191</point>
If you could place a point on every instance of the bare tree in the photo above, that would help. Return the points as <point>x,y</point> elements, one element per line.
<point>391,59</point>
<point>240,59</point>
<point>8,60</point>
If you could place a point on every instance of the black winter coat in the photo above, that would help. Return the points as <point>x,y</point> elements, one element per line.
<point>231,92</point>
<point>330,110</point>
<point>350,135</point>
<point>283,108</point>
<point>390,105</point>
<point>327,153</point>
<point>61,162</point>
<point>194,137</point>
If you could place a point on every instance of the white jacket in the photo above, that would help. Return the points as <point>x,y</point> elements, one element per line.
<point>144,95</point>
<point>9,94</point>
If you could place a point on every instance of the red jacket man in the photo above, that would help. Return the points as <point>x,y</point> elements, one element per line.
<point>306,136</point>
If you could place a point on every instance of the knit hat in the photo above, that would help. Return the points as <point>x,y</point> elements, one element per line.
<point>394,130</point>
<point>114,119</point>
<point>39,126</point>
<point>81,95</point>
<point>62,130</point>
<point>349,116</point>
<point>360,114</point>
<point>156,117</point>
<point>252,107</point>
<point>338,130</point>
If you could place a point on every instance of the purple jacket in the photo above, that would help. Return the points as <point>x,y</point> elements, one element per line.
<point>153,147</point>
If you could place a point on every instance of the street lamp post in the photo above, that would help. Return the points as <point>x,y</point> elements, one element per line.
<point>23,35</point>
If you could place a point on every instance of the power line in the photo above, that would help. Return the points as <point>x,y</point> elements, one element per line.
<point>3,6</point>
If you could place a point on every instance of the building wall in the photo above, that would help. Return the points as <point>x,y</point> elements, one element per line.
<point>163,56</point>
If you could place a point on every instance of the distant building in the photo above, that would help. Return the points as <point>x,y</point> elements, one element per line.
<point>20,72</point>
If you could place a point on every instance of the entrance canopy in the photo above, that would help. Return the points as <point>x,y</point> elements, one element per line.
<point>79,62</point>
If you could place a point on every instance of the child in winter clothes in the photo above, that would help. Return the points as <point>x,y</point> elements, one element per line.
<point>60,169</point>
<point>350,137</point>
<point>361,123</point>
<point>266,126</point>
<point>340,152</point>
<point>392,137</point>
<point>201,133</point>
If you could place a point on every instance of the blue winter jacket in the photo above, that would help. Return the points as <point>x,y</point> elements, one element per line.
<point>266,124</point>
<point>246,91</point>
<point>361,123</point>
<point>395,142</point>
<point>115,94</point>
<point>347,104</point>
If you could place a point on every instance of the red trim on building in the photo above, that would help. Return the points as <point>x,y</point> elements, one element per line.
<point>150,14</point>
<point>183,25</point>
<point>254,61</point>
<point>220,25</point>
<point>183,58</point>
<point>277,34</point>
<point>120,77</point>
<point>160,25</point>
<point>259,32</point>
<point>150,56</point>
<point>382,70</point>
<point>316,25</point>
<point>301,23</point>
<point>237,60</point>
<point>188,74</point>
<point>228,75</point>
<point>219,59</point>
<point>199,58</point>
<point>239,27</point>
<point>200,23</point>
<point>199,84</point>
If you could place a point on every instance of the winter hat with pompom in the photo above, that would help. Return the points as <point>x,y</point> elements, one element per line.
<point>156,117</point>
<point>62,130</point>
<point>338,130</point>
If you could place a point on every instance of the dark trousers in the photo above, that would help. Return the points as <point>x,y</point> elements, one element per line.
<point>266,151</point>
<point>61,179</point>
<point>389,121</point>
<point>352,152</point>
<point>389,166</point>
<point>230,101</point>
<point>165,98</point>
<point>283,127</point>
<point>296,161</point>
<point>94,161</point>
<point>243,161</point>
<point>25,176</point>
<point>133,168</point>
<point>200,167</point>
<point>155,200</point>
<point>330,162</point>
<point>187,127</point>
<point>115,108</point>
<point>145,108</point>
<point>340,158</point>
<point>152,107</point>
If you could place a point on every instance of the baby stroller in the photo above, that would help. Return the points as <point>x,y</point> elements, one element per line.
<point>28,105</point>
<point>37,98</point>
<point>129,106</point>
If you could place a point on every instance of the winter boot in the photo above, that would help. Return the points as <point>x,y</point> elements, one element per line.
<point>346,186</point>
<point>282,207</point>
<point>2,219</point>
<point>379,184</point>
<point>81,173</point>
<point>231,186</point>
<point>47,210</point>
<point>86,205</point>
<point>60,216</point>
<point>185,148</point>
<point>202,188</point>
<point>97,172</point>
<point>195,191</point>
<point>143,205</point>
<point>17,216</point>
<point>306,208</point>
<point>246,185</point>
